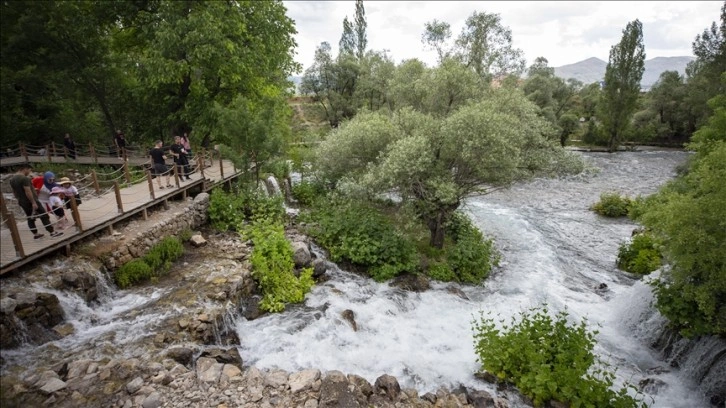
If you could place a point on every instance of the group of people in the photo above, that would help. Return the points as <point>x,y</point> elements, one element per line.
<point>180,150</point>
<point>42,195</point>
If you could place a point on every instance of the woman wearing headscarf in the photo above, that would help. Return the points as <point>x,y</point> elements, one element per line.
<point>45,190</point>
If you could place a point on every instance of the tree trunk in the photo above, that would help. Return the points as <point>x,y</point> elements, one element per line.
<point>437,226</point>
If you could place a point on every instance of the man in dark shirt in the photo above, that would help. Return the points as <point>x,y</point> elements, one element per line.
<point>180,158</point>
<point>28,200</point>
<point>120,141</point>
<point>158,164</point>
<point>70,146</point>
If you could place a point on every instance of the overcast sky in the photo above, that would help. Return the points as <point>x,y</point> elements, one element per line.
<point>564,32</point>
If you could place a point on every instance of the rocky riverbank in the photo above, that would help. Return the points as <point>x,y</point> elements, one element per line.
<point>178,348</point>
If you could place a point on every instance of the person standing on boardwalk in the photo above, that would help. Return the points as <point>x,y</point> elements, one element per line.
<point>119,140</point>
<point>180,158</point>
<point>187,144</point>
<point>28,200</point>
<point>70,146</point>
<point>158,164</point>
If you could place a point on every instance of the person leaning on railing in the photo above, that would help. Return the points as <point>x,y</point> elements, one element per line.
<point>28,200</point>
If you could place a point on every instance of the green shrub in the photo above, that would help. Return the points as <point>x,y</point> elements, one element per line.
<point>272,267</point>
<point>440,271</point>
<point>612,205</point>
<point>357,233</point>
<point>307,192</point>
<point>155,263</point>
<point>640,256</point>
<point>228,211</point>
<point>549,359</point>
<point>471,257</point>
<point>132,272</point>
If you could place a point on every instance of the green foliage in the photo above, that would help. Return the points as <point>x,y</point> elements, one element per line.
<point>640,256</point>
<point>133,272</point>
<point>470,258</point>
<point>272,267</point>
<point>307,192</point>
<point>548,359</point>
<point>357,233</point>
<point>155,263</point>
<point>688,218</point>
<point>622,83</point>
<point>612,205</point>
<point>228,211</point>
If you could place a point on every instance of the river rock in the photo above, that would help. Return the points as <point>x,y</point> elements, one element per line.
<point>301,254</point>
<point>480,399</point>
<point>335,393</point>
<point>413,282</point>
<point>53,385</point>
<point>349,316</point>
<point>134,385</point>
<point>152,401</point>
<point>208,369</point>
<point>198,240</point>
<point>320,266</point>
<point>7,305</point>
<point>182,355</point>
<point>303,380</point>
<point>387,385</point>
<point>224,356</point>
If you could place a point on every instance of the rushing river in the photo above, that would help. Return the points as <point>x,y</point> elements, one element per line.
<point>554,250</point>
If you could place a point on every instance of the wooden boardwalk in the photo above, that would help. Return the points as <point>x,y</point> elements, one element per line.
<point>105,209</point>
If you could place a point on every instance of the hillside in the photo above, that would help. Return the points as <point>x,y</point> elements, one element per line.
<point>593,69</point>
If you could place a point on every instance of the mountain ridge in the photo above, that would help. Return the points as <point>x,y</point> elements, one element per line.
<point>593,69</point>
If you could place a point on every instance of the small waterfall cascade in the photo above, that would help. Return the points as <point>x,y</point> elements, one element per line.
<point>273,187</point>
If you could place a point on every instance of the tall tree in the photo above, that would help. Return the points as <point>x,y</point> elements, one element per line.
<point>434,162</point>
<point>347,43</point>
<point>361,25</point>
<point>484,45</point>
<point>622,83</point>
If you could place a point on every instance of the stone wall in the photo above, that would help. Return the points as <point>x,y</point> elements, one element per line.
<point>189,218</point>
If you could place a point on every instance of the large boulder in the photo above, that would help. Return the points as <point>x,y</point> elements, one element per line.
<point>301,254</point>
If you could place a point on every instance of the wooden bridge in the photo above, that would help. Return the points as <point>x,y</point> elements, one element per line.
<point>110,196</point>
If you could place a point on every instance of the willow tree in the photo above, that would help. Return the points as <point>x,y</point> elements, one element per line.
<point>622,83</point>
<point>434,162</point>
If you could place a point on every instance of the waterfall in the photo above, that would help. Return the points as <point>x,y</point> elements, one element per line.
<point>273,187</point>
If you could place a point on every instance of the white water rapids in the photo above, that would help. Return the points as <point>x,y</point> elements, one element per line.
<point>554,250</point>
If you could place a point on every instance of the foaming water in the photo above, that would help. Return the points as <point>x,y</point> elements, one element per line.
<point>554,250</point>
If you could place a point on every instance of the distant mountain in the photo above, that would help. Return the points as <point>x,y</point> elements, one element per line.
<point>593,69</point>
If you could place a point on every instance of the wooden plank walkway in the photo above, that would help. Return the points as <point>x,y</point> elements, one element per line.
<point>97,213</point>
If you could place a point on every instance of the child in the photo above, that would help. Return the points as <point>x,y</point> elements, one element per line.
<point>56,203</point>
<point>69,190</point>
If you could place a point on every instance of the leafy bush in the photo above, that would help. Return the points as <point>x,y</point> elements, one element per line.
<point>471,257</point>
<point>307,192</point>
<point>548,359</point>
<point>155,263</point>
<point>359,234</point>
<point>640,256</point>
<point>272,267</point>
<point>133,272</point>
<point>612,205</point>
<point>228,211</point>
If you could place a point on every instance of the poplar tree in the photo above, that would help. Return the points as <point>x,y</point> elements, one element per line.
<point>622,83</point>
<point>360,29</point>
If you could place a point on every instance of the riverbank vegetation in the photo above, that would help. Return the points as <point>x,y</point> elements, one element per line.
<point>154,264</point>
<point>549,359</point>
<point>612,205</point>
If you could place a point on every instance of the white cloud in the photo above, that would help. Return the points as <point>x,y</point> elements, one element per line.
<point>564,32</point>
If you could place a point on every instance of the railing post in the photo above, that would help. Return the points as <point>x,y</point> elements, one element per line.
<point>176,175</point>
<point>221,167</point>
<point>93,153</point>
<point>76,214</point>
<point>47,153</point>
<point>119,203</point>
<point>151,184</point>
<point>94,177</point>
<point>65,152</point>
<point>123,154</point>
<point>127,174</point>
<point>200,164</point>
<point>52,148</point>
<point>13,226</point>
<point>24,152</point>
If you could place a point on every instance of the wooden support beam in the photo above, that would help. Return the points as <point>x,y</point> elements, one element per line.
<point>119,203</point>
<point>13,227</point>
